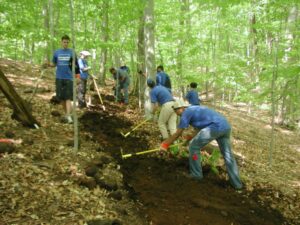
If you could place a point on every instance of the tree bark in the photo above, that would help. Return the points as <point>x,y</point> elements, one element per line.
<point>149,50</point>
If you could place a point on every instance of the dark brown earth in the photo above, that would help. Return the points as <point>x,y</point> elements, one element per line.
<point>167,195</point>
<point>44,181</point>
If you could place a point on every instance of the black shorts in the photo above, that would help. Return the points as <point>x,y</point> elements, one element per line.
<point>64,89</point>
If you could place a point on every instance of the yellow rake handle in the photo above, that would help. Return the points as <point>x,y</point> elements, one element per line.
<point>144,152</point>
<point>137,126</point>
<point>95,83</point>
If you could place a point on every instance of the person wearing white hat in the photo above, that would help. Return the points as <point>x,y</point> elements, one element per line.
<point>212,126</point>
<point>84,74</point>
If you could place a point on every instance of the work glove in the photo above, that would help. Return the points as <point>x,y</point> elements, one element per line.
<point>164,146</point>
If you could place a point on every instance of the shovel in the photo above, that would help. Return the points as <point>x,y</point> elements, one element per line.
<point>133,129</point>
<point>95,83</point>
<point>124,156</point>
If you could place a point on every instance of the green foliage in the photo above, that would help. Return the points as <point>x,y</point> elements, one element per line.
<point>212,160</point>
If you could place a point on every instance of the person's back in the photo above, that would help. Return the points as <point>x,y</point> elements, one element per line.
<point>201,117</point>
<point>162,78</point>
<point>161,95</point>
<point>123,76</point>
<point>192,96</point>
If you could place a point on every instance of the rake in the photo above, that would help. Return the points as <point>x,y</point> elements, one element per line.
<point>95,83</point>
<point>124,156</point>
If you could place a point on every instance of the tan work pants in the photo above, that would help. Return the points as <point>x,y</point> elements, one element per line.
<point>167,120</point>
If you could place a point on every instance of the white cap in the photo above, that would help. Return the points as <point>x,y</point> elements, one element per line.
<point>85,53</point>
<point>179,104</point>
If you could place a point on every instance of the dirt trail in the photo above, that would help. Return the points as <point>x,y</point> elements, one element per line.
<point>160,184</point>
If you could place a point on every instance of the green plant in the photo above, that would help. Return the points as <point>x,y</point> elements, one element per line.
<point>212,160</point>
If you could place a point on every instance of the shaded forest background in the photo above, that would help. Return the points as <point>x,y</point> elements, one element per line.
<point>238,51</point>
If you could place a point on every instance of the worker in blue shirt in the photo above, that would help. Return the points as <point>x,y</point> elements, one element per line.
<point>84,74</point>
<point>212,126</point>
<point>192,96</point>
<point>62,60</point>
<point>161,97</point>
<point>122,82</point>
<point>162,78</point>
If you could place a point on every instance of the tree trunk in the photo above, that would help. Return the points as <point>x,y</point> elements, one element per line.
<point>149,49</point>
<point>104,39</point>
<point>21,109</point>
<point>75,118</point>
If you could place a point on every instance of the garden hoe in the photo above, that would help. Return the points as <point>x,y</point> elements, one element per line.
<point>124,156</point>
<point>95,83</point>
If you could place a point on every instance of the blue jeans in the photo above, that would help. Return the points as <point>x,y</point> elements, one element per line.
<point>118,94</point>
<point>205,136</point>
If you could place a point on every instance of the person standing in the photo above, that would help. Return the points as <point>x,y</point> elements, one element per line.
<point>212,126</point>
<point>84,74</point>
<point>192,96</point>
<point>122,82</point>
<point>161,96</point>
<point>162,78</point>
<point>63,59</point>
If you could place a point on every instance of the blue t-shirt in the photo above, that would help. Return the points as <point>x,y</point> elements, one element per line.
<point>163,79</point>
<point>62,58</point>
<point>192,97</point>
<point>161,95</point>
<point>83,64</point>
<point>201,117</point>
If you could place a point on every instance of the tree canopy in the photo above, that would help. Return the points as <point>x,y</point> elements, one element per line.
<point>240,51</point>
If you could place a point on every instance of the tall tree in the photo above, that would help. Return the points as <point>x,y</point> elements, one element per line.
<point>149,26</point>
<point>104,37</point>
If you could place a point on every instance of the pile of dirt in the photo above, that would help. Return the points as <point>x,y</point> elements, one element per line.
<point>43,180</point>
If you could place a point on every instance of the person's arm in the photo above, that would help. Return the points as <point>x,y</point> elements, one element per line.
<point>82,66</point>
<point>166,143</point>
<point>155,108</point>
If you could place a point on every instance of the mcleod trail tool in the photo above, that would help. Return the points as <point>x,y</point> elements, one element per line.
<point>133,129</point>
<point>124,156</point>
<point>95,83</point>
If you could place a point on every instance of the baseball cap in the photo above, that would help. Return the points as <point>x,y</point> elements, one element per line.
<point>85,53</point>
<point>179,104</point>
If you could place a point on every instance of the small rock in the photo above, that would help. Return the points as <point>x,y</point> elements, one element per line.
<point>7,148</point>
<point>90,183</point>
<point>107,182</point>
<point>102,160</point>
<point>91,171</point>
<point>9,134</point>
<point>116,195</point>
<point>55,113</point>
<point>28,141</point>
<point>104,222</point>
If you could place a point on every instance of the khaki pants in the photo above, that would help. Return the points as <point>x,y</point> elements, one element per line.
<point>167,120</point>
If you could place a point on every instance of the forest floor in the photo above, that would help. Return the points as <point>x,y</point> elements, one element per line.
<point>43,180</point>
